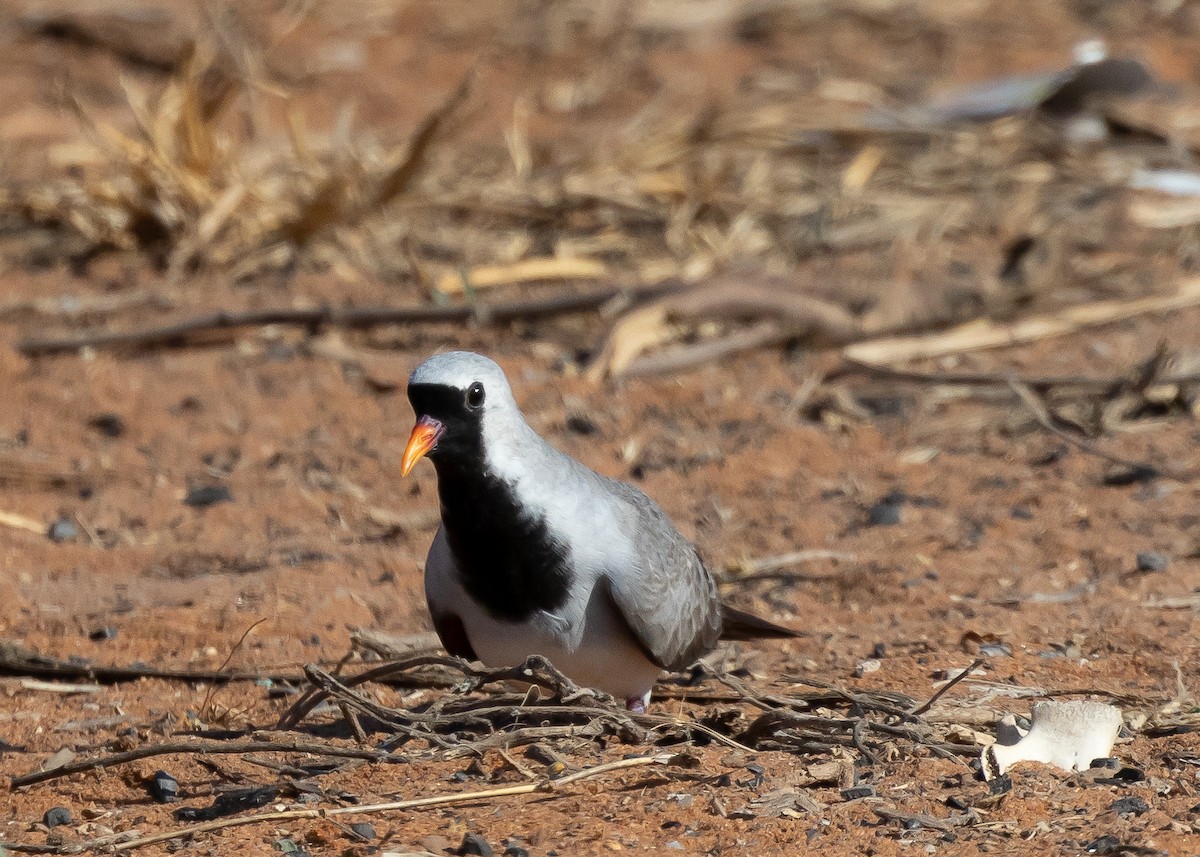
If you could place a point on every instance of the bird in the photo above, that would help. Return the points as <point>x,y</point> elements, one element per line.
<point>537,554</point>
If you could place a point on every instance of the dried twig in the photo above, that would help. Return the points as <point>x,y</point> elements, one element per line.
<point>354,317</point>
<point>986,333</point>
<point>198,746</point>
<point>944,689</point>
<point>17,660</point>
<point>16,521</point>
<point>777,308</point>
<point>1038,383</point>
<point>546,785</point>
<point>1038,409</point>
<point>525,271</point>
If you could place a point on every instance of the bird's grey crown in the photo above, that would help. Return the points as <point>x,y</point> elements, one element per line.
<point>460,369</point>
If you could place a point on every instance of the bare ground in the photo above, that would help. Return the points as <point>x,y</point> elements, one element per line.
<point>1007,532</point>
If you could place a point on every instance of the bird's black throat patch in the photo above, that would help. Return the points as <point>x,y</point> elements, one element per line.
<point>510,562</point>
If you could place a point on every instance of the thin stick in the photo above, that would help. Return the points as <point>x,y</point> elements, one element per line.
<point>686,356</point>
<point>21,522</point>
<point>17,660</point>
<point>197,746</point>
<point>1038,409</point>
<point>921,709</point>
<point>1003,379</point>
<point>525,271</point>
<point>205,711</point>
<point>547,785</point>
<point>985,333</point>
<point>352,317</point>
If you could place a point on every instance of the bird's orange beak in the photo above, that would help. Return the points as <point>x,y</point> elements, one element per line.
<point>424,437</point>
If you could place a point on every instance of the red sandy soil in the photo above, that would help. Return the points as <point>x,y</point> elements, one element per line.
<point>1005,531</point>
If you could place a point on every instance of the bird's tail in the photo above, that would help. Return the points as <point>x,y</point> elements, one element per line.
<point>740,625</point>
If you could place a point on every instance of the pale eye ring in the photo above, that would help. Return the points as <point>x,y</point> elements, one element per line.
<point>475,395</point>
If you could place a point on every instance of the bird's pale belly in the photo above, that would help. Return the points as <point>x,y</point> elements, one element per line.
<point>606,657</point>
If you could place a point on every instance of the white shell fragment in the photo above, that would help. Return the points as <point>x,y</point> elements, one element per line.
<point>1068,735</point>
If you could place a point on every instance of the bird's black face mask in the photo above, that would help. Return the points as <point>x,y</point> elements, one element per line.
<point>448,418</point>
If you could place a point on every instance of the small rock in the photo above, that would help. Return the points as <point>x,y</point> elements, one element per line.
<point>515,851</point>
<point>856,792</point>
<point>63,530</point>
<point>364,830</point>
<point>434,843</point>
<point>868,666</point>
<point>582,425</point>
<point>885,513</point>
<point>101,635</point>
<point>1104,845</point>
<point>109,425</point>
<point>1125,775</point>
<point>674,845</point>
<point>207,495</point>
<point>56,815</point>
<point>473,843</point>
<point>1152,561</point>
<point>1132,805</point>
<point>1021,513</point>
<point>163,787</point>
<point>1106,762</point>
<point>1130,474</point>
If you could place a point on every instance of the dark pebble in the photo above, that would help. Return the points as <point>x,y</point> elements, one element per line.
<point>1106,762</point>
<point>207,495</point>
<point>1123,777</point>
<point>1132,805</point>
<point>102,634</point>
<point>1152,561</point>
<point>885,513</point>
<point>109,425</point>
<point>515,851</point>
<point>1130,775</point>
<point>1129,475</point>
<point>63,530</point>
<point>1051,456</point>
<point>1000,785</point>
<point>887,405</point>
<point>758,776</point>
<point>364,830</point>
<point>1022,513</point>
<point>1104,845</point>
<point>475,844</point>
<point>955,802</point>
<point>582,425</point>
<point>229,803</point>
<point>856,792</point>
<point>164,788</point>
<point>56,815</point>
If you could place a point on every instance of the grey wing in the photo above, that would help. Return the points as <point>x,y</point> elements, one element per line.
<point>668,599</point>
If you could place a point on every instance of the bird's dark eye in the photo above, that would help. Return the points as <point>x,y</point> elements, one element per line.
<point>475,395</point>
